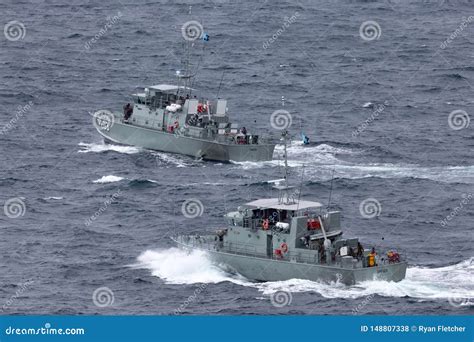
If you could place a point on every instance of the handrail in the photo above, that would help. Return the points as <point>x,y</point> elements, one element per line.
<point>242,249</point>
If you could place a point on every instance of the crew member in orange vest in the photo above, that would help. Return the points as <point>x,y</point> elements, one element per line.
<point>372,255</point>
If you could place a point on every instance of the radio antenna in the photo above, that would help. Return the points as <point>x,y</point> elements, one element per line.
<point>301,188</point>
<point>220,84</point>
<point>330,191</point>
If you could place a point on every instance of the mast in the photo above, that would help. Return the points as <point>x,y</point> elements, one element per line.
<point>186,77</point>
<point>284,191</point>
<point>285,140</point>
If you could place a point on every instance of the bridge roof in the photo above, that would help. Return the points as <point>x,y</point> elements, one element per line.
<point>273,203</point>
<point>167,87</point>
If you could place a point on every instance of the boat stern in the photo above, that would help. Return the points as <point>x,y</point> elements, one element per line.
<point>253,153</point>
<point>388,272</point>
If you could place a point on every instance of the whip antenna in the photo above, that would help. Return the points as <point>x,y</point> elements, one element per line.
<point>330,191</point>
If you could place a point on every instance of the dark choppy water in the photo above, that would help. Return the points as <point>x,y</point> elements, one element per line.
<point>408,157</point>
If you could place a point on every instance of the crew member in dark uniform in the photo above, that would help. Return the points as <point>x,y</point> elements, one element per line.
<point>127,111</point>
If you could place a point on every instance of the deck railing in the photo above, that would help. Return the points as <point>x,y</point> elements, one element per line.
<point>208,243</point>
<point>242,249</point>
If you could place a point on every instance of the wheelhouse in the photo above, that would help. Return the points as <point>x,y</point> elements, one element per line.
<point>270,213</point>
<point>162,95</point>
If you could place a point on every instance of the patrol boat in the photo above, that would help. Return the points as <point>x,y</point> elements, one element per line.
<point>171,118</point>
<point>282,238</point>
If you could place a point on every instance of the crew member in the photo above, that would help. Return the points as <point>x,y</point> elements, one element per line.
<point>322,254</point>
<point>372,256</point>
<point>360,250</point>
<point>127,111</point>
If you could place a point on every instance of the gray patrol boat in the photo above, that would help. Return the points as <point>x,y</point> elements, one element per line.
<point>282,238</point>
<point>171,118</point>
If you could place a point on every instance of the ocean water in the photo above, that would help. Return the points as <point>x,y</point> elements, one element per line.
<point>86,226</point>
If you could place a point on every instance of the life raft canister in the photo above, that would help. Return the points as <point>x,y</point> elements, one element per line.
<point>201,107</point>
<point>284,247</point>
<point>265,224</point>
<point>278,253</point>
<point>314,224</point>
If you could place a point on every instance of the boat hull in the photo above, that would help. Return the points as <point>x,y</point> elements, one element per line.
<point>127,134</point>
<point>266,269</point>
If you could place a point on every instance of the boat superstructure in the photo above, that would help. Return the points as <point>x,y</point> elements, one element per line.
<point>287,237</point>
<point>175,118</point>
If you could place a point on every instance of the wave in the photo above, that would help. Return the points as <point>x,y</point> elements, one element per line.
<point>102,147</point>
<point>131,182</point>
<point>176,266</point>
<point>54,198</point>
<point>108,179</point>
<point>167,158</point>
<point>454,76</point>
<point>138,183</point>
<point>161,157</point>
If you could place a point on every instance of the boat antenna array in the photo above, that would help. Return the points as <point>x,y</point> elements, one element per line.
<point>220,84</point>
<point>188,76</point>
<point>330,190</point>
<point>285,151</point>
<point>284,196</point>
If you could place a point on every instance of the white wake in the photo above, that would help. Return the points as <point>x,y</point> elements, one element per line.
<point>320,160</point>
<point>103,147</point>
<point>176,266</point>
